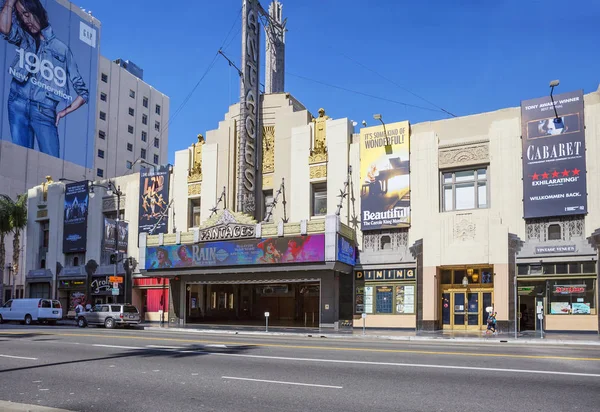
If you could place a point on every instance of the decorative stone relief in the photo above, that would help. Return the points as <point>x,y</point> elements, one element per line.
<point>268,165</point>
<point>194,189</point>
<point>464,228</point>
<point>109,203</point>
<point>318,172</point>
<point>195,174</point>
<point>464,155</point>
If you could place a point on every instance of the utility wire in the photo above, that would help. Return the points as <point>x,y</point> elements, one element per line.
<point>396,84</point>
<point>208,69</point>
<point>366,94</point>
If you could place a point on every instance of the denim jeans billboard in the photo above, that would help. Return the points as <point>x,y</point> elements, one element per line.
<point>48,79</point>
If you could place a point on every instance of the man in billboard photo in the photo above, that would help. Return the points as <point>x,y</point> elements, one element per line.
<point>40,71</point>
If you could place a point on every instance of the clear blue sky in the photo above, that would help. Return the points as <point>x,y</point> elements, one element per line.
<point>466,56</point>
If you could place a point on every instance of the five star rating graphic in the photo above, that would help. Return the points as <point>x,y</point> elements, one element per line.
<point>555,174</point>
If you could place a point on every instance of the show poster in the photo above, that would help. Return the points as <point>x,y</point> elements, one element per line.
<point>111,233</point>
<point>154,201</point>
<point>554,172</point>
<point>279,250</point>
<point>49,78</point>
<point>384,174</point>
<point>346,251</point>
<point>75,217</point>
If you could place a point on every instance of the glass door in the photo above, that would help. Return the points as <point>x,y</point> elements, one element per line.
<point>473,320</point>
<point>460,311</point>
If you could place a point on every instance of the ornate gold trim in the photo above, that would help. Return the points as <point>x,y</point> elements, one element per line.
<point>194,189</point>
<point>318,172</point>
<point>268,165</point>
<point>318,153</point>
<point>195,173</point>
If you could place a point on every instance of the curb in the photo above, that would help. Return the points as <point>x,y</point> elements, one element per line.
<point>383,337</point>
<point>8,406</point>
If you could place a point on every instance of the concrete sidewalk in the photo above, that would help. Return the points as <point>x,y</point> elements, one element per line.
<point>399,335</point>
<point>7,406</point>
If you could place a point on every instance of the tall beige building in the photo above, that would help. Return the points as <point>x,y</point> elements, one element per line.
<point>131,123</point>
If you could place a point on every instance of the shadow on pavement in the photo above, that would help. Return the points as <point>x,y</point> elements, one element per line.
<point>188,351</point>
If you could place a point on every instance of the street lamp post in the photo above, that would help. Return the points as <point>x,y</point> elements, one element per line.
<point>388,146</point>
<point>112,189</point>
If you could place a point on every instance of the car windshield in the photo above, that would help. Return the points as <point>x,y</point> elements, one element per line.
<point>130,309</point>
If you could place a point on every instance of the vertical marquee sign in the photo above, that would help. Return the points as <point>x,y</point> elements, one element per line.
<point>249,141</point>
<point>554,172</point>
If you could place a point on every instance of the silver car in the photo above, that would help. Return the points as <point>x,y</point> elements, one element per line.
<point>110,316</point>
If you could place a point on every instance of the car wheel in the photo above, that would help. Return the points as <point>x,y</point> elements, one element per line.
<point>52,322</point>
<point>81,322</point>
<point>1,320</point>
<point>109,323</point>
<point>28,319</point>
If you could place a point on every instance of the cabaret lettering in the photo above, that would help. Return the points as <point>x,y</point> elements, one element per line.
<point>555,151</point>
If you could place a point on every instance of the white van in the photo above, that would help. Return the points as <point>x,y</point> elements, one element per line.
<point>31,310</point>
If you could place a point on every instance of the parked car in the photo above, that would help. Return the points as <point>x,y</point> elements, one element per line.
<point>28,311</point>
<point>110,315</point>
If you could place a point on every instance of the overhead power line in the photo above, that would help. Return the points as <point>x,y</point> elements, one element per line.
<point>365,94</point>
<point>396,84</point>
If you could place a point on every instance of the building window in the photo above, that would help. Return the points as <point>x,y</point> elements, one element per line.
<point>145,102</point>
<point>129,164</point>
<point>475,276</point>
<point>102,116</point>
<point>104,77</point>
<point>195,212</point>
<point>45,232</point>
<point>144,136</point>
<point>101,134</point>
<point>571,296</point>
<point>101,154</point>
<point>129,147</point>
<point>554,232</point>
<point>100,172</point>
<point>155,159</point>
<point>465,189</point>
<point>144,119</point>
<point>156,142</point>
<point>319,199</point>
<point>157,110</point>
<point>143,154</point>
<point>132,94</point>
<point>386,242</point>
<point>268,201</point>
<point>157,126</point>
<point>131,111</point>
<point>103,97</point>
<point>388,239</point>
<point>130,129</point>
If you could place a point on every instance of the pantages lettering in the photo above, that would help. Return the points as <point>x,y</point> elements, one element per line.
<point>555,151</point>
<point>227,232</point>
<point>248,141</point>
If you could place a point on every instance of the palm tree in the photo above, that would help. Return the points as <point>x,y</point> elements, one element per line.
<point>5,229</point>
<point>17,221</point>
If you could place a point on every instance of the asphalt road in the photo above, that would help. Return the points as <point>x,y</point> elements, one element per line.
<point>95,369</point>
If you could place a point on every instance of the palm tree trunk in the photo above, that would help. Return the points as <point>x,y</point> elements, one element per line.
<point>2,256</point>
<point>16,253</point>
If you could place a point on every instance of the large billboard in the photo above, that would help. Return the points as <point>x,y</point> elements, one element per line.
<point>554,173</point>
<point>384,175</point>
<point>49,57</point>
<point>296,249</point>
<point>111,234</point>
<point>75,217</point>
<point>154,201</point>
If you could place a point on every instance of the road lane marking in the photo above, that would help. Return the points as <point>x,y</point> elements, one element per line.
<point>98,345</point>
<point>282,382</point>
<point>333,348</point>
<point>165,347</point>
<point>17,357</point>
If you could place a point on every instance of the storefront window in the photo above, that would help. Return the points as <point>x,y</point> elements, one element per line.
<point>392,299</point>
<point>571,296</point>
